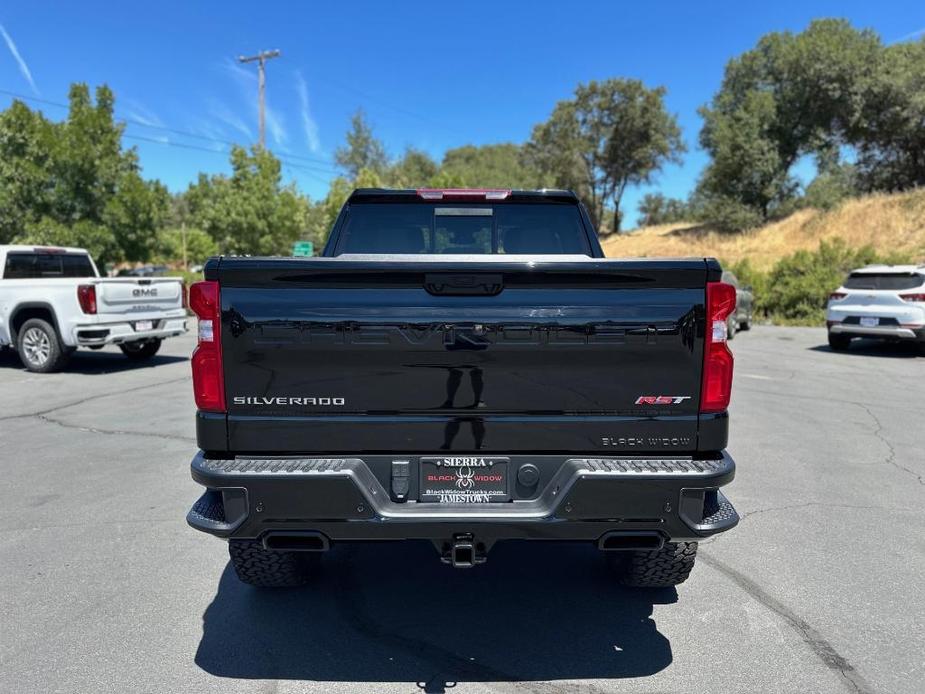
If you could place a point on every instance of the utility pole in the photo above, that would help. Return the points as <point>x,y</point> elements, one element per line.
<point>261,59</point>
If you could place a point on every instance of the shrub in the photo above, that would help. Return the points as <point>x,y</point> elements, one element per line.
<point>729,215</point>
<point>749,276</point>
<point>828,190</point>
<point>199,245</point>
<point>799,285</point>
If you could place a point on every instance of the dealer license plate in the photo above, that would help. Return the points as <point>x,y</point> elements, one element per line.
<point>472,479</point>
<point>868,322</point>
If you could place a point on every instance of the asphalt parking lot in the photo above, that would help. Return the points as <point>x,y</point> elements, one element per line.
<point>104,588</point>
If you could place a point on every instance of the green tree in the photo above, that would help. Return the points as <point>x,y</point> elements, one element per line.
<point>251,212</point>
<point>362,150</point>
<point>655,208</point>
<point>135,215</point>
<point>414,170</point>
<point>612,135</point>
<point>27,142</point>
<point>831,186</point>
<point>746,168</point>
<point>890,133</point>
<point>83,233</point>
<point>792,95</point>
<point>71,183</point>
<point>503,165</point>
<point>183,243</point>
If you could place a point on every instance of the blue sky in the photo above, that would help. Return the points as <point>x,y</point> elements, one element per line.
<point>431,75</point>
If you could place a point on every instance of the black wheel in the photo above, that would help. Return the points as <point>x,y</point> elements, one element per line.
<point>731,325</point>
<point>839,343</point>
<point>140,349</point>
<point>663,568</point>
<point>40,348</point>
<point>257,566</point>
<point>747,323</point>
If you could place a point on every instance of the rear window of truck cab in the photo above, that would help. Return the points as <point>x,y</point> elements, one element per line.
<point>24,265</point>
<point>884,280</point>
<point>448,228</point>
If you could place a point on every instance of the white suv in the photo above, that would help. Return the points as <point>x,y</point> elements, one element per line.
<point>885,301</point>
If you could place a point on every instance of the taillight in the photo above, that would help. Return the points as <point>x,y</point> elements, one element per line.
<point>717,359</point>
<point>912,297</point>
<point>86,297</point>
<point>835,296</point>
<point>184,297</point>
<point>208,375</point>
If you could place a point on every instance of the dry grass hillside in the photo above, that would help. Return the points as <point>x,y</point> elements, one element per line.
<point>889,223</point>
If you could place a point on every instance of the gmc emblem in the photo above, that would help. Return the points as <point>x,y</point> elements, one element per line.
<point>149,291</point>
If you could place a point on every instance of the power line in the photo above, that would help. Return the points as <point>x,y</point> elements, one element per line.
<point>308,171</point>
<point>184,145</point>
<point>163,128</point>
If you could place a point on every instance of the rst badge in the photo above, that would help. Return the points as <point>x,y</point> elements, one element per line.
<point>661,399</point>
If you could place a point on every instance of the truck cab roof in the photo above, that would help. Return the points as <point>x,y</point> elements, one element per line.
<point>41,249</point>
<point>457,194</point>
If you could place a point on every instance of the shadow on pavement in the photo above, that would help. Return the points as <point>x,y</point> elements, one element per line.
<point>85,361</point>
<point>875,348</point>
<point>394,613</point>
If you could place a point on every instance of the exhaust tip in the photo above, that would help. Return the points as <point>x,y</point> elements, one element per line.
<point>623,541</point>
<point>296,541</point>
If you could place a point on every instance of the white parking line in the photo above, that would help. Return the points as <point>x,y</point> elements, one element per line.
<point>760,378</point>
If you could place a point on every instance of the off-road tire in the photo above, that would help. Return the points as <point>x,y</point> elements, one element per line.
<point>264,568</point>
<point>36,337</point>
<point>140,349</point>
<point>747,323</point>
<point>839,343</point>
<point>663,568</point>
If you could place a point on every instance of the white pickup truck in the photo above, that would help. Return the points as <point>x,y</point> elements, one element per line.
<point>53,300</point>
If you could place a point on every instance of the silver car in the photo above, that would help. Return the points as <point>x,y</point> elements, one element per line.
<point>879,301</point>
<point>741,318</point>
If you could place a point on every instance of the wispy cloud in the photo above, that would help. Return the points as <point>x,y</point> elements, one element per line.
<point>210,130</point>
<point>23,67</point>
<point>275,124</point>
<point>139,113</point>
<point>309,125</point>
<point>244,77</point>
<point>221,112</point>
<point>247,82</point>
<point>912,35</point>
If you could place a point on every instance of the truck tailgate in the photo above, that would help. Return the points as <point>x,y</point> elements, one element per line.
<point>143,295</point>
<point>351,355</point>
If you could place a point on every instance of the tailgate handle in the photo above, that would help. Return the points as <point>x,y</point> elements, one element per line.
<point>464,284</point>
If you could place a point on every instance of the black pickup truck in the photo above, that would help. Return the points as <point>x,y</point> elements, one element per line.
<point>464,367</point>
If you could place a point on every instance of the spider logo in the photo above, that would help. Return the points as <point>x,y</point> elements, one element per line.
<point>464,478</point>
